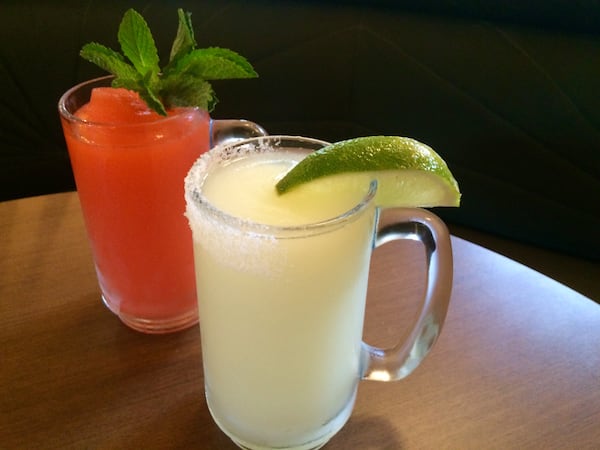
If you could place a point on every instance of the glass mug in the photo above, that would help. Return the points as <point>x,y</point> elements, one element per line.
<point>129,180</point>
<point>282,306</point>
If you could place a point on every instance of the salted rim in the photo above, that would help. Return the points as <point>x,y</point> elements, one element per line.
<point>198,204</point>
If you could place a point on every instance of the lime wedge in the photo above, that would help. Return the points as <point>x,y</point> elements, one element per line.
<point>408,172</point>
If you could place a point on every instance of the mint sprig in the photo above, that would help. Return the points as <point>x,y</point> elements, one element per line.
<point>184,81</point>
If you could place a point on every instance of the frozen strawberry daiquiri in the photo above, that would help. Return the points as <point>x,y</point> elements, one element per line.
<point>131,138</point>
<point>129,164</point>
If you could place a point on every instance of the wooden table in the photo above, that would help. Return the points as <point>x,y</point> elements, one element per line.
<point>517,365</point>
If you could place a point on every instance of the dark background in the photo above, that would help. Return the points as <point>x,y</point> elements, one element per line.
<point>508,93</point>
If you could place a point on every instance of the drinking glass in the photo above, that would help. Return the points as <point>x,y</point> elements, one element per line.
<point>282,306</point>
<point>129,180</point>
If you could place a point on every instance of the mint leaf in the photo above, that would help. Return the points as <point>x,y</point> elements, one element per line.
<point>133,84</point>
<point>213,64</point>
<point>108,60</point>
<point>184,40</point>
<point>150,95</point>
<point>146,90</point>
<point>243,69</point>
<point>188,91</point>
<point>137,43</point>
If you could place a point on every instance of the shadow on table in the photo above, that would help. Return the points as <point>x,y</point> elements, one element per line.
<point>367,433</point>
<point>188,426</point>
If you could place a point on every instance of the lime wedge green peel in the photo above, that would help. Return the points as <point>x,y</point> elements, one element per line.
<point>408,172</point>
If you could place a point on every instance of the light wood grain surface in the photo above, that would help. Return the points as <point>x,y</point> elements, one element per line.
<point>517,365</point>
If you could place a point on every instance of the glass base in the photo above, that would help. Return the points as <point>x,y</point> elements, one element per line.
<point>164,326</point>
<point>330,430</point>
<point>240,445</point>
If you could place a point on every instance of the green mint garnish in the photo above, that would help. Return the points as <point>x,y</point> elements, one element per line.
<point>184,81</point>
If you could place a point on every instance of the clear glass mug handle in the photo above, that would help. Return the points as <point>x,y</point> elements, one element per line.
<point>231,130</point>
<point>414,224</point>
